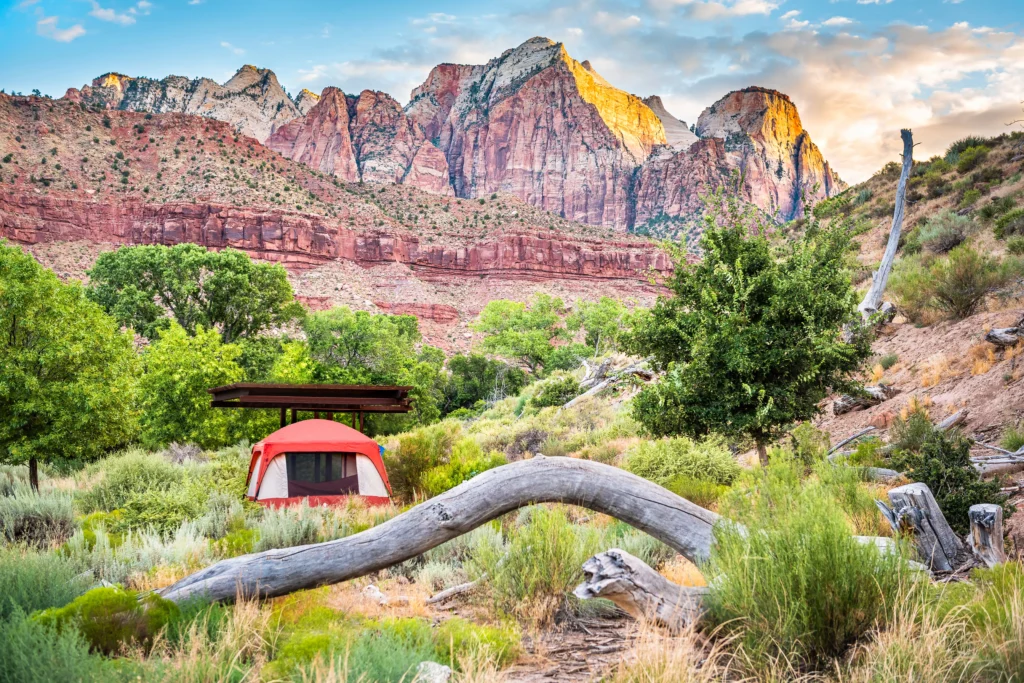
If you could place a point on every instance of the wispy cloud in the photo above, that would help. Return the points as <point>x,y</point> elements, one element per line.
<point>126,18</point>
<point>228,46</point>
<point>48,28</point>
<point>837,21</point>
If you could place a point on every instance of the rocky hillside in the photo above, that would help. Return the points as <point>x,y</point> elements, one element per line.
<point>364,138</point>
<point>252,101</point>
<point>74,181</point>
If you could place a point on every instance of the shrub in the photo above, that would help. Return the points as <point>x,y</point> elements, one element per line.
<point>698,491</point>
<point>31,581</point>
<point>1015,245</point>
<point>1013,437</point>
<point>37,518</point>
<point>996,208</point>
<point>555,392</point>
<point>112,618</point>
<point>798,586</point>
<point>888,360</point>
<point>286,527</point>
<point>457,638</point>
<point>1010,223</point>
<point>970,198</point>
<point>390,650</point>
<point>125,476</point>
<point>954,151</point>
<point>970,158</point>
<point>809,444</point>
<point>31,652</point>
<point>956,285</point>
<point>465,462</point>
<point>998,620</point>
<point>944,231</point>
<point>943,462</point>
<point>417,452</point>
<point>660,461</point>
<point>163,510</point>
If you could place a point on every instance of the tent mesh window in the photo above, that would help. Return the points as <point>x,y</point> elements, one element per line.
<point>322,474</point>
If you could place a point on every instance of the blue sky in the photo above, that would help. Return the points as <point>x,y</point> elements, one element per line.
<point>858,70</point>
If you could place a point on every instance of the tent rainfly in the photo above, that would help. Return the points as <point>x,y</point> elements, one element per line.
<point>321,461</point>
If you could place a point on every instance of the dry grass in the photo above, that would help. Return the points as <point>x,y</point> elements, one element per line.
<point>982,357</point>
<point>877,373</point>
<point>680,570</point>
<point>936,369</point>
<point>916,404</point>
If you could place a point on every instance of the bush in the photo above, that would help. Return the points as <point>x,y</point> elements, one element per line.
<point>888,360</point>
<point>31,581</point>
<point>36,518</point>
<point>31,652</point>
<point>996,208</point>
<point>955,286</point>
<point>417,452</point>
<point>954,151</point>
<point>390,650</point>
<point>798,586</point>
<point>1013,437</point>
<point>970,158</point>
<point>944,231</point>
<point>113,618</point>
<point>660,461</point>
<point>122,477</point>
<point>1011,223</point>
<point>457,638</point>
<point>1015,245</point>
<point>943,462</point>
<point>163,510</point>
<point>970,198</point>
<point>698,491</point>
<point>465,462</point>
<point>286,527</point>
<point>556,391</point>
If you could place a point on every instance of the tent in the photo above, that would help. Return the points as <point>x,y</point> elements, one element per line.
<point>322,461</point>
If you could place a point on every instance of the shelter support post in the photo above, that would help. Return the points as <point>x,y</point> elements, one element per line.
<point>361,421</point>
<point>294,412</point>
<point>284,416</point>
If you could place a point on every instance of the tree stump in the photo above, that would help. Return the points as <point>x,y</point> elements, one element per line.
<point>915,511</point>
<point>640,591</point>
<point>986,537</point>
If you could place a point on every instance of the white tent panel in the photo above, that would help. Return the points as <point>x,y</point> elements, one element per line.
<point>254,477</point>
<point>370,483</point>
<point>275,481</point>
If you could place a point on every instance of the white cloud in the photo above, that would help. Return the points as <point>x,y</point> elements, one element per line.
<point>873,2</point>
<point>104,14</point>
<point>790,14</point>
<point>574,31</point>
<point>837,21</point>
<point>25,4</point>
<point>710,10</point>
<point>48,28</point>
<point>229,46</point>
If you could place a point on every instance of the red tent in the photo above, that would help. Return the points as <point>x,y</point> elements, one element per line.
<point>321,461</point>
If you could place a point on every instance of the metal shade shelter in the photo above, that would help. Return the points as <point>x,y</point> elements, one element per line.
<point>320,399</point>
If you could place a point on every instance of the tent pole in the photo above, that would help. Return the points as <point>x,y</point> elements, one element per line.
<point>284,417</point>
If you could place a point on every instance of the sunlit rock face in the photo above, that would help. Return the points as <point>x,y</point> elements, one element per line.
<point>677,133</point>
<point>253,101</point>
<point>539,124</point>
<point>753,135</point>
<point>363,138</point>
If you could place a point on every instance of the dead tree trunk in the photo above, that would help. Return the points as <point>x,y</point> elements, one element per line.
<point>676,522</point>
<point>873,299</point>
<point>987,533</point>
<point>1006,336</point>
<point>640,591</point>
<point>872,396</point>
<point>915,511</point>
<point>617,376</point>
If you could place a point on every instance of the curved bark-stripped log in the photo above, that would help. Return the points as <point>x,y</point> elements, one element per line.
<point>676,522</point>
<point>641,592</point>
<point>873,299</point>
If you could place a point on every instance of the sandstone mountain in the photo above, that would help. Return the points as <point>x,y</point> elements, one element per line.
<point>363,138</point>
<point>755,133</point>
<point>252,101</point>
<point>677,133</point>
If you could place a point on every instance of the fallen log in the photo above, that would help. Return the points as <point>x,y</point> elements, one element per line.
<point>871,396</point>
<point>872,302</point>
<point>617,376</point>
<point>915,511</point>
<point>454,591</point>
<point>1006,336</point>
<point>986,537</point>
<point>641,592</point>
<point>678,523</point>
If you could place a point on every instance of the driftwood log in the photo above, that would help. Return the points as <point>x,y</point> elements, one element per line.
<point>871,396</point>
<point>915,511</point>
<point>872,302</point>
<point>986,537</point>
<point>680,524</point>
<point>641,592</point>
<point>1006,336</point>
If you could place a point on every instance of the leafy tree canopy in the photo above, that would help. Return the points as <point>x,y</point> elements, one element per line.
<point>222,290</point>
<point>179,368</point>
<point>750,338</point>
<point>603,322</point>
<point>476,378</point>
<point>520,332</point>
<point>67,374</point>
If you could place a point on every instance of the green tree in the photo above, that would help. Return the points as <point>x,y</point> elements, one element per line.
<point>223,290</point>
<point>603,322</point>
<point>67,374</point>
<point>179,368</point>
<point>750,337</point>
<point>522,333</point>
<point>475,378</point>
<point>356,347</point>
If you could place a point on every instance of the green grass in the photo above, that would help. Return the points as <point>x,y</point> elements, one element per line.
<point>31,652</point>
<point>39,518</point>
<point>661,461</point>
<point>31,580</point>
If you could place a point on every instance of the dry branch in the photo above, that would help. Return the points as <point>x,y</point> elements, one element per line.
<point>873,299</point>
<point>617,376</point>
<point>603,488</point>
